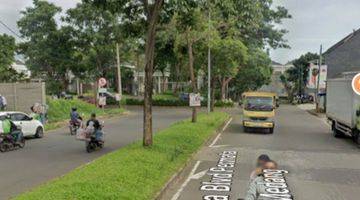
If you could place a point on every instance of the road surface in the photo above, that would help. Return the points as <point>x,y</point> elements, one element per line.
<point>320,166</point>
<point>58,152</point>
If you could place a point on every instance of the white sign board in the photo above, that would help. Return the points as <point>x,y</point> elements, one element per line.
<point>195,99</point>
<point>102,101</point>
<point>102,82</point>
<point>102,90</point>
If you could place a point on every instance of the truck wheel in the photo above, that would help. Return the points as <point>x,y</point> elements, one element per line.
<point>336,133</point>
<point>356,137</point>
<point>271,130</point>
<point>246,129</point>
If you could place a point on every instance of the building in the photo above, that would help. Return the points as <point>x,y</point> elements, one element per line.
<point>21,68</point>
<point>276,84</point>
<point>344,56</point>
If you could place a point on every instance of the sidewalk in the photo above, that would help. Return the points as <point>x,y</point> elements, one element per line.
<point>311,108</point>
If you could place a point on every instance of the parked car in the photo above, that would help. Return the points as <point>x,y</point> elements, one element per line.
<point>29,126</point>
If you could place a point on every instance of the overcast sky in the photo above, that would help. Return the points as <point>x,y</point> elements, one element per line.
<point>314,22</point>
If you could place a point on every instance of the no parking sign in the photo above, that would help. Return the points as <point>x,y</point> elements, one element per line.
<point>102,82</point>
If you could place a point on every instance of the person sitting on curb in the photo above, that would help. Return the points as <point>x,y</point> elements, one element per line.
<point>257,186</point>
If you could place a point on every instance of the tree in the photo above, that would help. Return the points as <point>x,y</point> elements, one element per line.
<point>50,51</point>
<point>7,53</point>
<point>256,73</point>
<point>298,74</point>
<point>228,57</point>
<point>190,25</point>
<point>146,13</point>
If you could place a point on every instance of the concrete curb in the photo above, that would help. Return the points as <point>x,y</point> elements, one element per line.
<point>177,175</point>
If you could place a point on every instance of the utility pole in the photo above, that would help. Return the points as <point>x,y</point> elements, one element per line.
<point>209,64</point>
<point>318,80</point>
<point>118,70</point>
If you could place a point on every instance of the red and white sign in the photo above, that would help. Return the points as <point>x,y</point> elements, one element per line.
<point>356,84</point>
<point>102,82</point>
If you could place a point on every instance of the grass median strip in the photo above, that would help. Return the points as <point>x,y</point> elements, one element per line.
<point>133,172</point>
<point>59,111</point>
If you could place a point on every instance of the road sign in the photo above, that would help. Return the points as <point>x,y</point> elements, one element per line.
<point>102,82</point>
<point>356,84</point>
<point>195,99</point>
<point>102,90</point>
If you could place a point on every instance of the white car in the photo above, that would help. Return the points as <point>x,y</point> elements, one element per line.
<point>29,126</point>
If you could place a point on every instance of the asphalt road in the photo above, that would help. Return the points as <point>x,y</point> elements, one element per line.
<point>320,166</point>
<point>58,152</point>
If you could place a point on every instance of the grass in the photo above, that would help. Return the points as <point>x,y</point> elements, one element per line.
<point>59,111</point>
<point>133,172</point>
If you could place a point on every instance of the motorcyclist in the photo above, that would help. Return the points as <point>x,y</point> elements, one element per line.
<point>97,127</point>
<point>10,128</point>
<point>75,118</point>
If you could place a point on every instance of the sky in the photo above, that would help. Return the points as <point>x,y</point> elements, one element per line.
<point>313,23</point>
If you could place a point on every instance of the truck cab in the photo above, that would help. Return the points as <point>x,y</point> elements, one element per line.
<point>259,111</point>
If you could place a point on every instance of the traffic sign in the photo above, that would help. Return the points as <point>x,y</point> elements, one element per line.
<point>195,100</point>
<point>102,82</point>
<point>356,84</point>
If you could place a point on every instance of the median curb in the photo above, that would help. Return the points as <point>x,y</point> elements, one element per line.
<point>178,174</point>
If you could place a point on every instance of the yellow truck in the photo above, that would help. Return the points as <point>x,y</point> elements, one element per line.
<point>259,110</point>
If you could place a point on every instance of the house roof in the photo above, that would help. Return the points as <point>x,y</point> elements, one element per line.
<point>343,41</point>
<point>275,63</point>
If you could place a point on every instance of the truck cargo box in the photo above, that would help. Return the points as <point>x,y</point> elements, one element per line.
<point>341,101</point>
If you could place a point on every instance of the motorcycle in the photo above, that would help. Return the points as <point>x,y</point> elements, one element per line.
<point>8,143</point>
<point>74,127</point>
<point>92,143</point>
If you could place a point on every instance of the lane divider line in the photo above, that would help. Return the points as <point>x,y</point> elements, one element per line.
<point>177,195</point>
<point>218,137</point>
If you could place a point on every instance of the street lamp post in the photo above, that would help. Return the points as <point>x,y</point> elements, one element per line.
<point>209,66</point>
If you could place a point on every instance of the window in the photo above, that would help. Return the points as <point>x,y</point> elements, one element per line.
<point>19,117</point>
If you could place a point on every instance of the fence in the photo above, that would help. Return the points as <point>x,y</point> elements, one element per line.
<point>21,96</point>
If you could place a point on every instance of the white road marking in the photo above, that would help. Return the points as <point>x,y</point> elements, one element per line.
<point>217,137</point>
<point>177,195</point>
<point>199,175</point>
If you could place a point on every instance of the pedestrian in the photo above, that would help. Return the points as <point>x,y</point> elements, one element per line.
<point>257,186</point>
<point>260,163</point>
<point>33,113</point>
<point>3,103</point>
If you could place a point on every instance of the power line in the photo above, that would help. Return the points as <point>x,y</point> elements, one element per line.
<point>12,31</point>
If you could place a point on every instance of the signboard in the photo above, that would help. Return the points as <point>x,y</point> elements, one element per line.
<point>313,77</point>
<point>356,84</point>
<point>102,90</point>
<point>102,82</point>
<point>102,101</point>
<point>195,99</point>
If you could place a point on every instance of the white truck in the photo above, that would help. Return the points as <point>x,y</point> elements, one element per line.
<point>343,107</point>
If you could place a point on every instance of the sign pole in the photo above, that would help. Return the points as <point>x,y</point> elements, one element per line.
<point>318,81</point>
<point>118,69</point>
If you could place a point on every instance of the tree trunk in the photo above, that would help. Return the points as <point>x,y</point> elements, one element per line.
<point>153,15</point>
<point>192,73</point>
<point>224,83</point>
<point>177,71</point>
